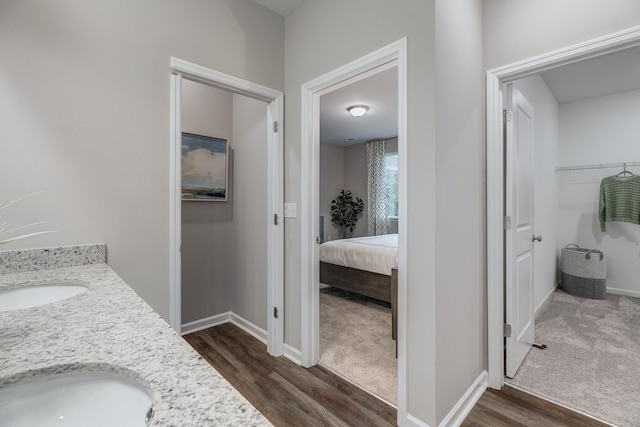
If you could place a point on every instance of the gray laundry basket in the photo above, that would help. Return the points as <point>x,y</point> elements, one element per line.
<point>584,272</point>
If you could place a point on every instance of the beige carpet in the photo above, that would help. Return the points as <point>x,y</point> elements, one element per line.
<point>592,359</point>
<point>355,341</point>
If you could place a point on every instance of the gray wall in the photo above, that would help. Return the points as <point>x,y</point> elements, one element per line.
<point>206,226</point>
<point>320,36</point>
<point>346,167</point>
<point>460,200</point>
<point>85,115</point>
<point>331,182</point>
<point>355,179</point>
<point>516,30</point>
<point>224,244</point>
<point>250,214</point>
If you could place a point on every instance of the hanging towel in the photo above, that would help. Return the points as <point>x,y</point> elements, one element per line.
<point>619,200</point>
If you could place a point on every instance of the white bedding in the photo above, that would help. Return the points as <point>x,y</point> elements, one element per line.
<point>378,254</point>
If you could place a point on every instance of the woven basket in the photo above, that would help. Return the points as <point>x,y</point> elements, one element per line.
<point>584,272</point>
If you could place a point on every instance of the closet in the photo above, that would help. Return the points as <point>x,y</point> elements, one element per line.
<point>586,129</point>
<point>597,139</point>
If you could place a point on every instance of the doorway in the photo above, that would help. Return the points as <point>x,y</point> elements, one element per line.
<point>391,55</point>
<point>496,223</point>
<point>525,73</point>
<point>584,135</point>
<point>183,70</point>
<point>359,155</point>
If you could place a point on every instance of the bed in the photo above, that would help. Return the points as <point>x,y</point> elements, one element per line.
<point>363,265</point>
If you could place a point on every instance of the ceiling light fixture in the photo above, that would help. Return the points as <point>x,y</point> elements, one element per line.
<point>358,110</point>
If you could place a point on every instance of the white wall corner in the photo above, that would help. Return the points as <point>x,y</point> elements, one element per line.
<point>250,328</point>
<point>228,317</point>
<point>546,298</point>
<point>624,292</point>
<point>466,403</point>
<point>207,322</point>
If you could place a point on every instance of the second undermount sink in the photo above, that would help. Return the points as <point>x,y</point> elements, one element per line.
<point>33,296</point>
<point>76,399</point>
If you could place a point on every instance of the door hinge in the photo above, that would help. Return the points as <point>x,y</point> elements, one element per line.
<point>506,222</point>
<point>507,330</point>
<point>275,126</point>
<point>275,312</point>
<point>275,219</point>
<point>317,240</point>
<point>508,115</point>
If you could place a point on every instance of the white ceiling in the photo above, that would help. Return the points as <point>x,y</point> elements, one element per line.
<point>602,75</point>
<point>379,92</point>
<point>282,7</point>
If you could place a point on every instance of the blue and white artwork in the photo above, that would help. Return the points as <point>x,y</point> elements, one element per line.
<point>204,167</point>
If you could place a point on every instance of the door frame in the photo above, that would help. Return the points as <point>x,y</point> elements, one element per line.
<point>495,80</point>
<point>275,195</point>
<point>394,54</point>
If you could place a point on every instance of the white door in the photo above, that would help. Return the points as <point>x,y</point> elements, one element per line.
<point>519,312</point>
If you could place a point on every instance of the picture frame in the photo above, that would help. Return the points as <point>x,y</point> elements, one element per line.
<point>205,168</point>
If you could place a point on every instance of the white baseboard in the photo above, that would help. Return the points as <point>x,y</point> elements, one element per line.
<point>293,354</point>
<point>227,317</point>
<point>249,327</point>
<point>546,298</point>
<point>414,422</point>
<point>459,412</point>
<point>466,403</point>
<point>615,291</point>
<point>624,292</point>
<point>205,323</point>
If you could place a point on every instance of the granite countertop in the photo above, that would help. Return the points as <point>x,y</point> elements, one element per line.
<point>110,328</point>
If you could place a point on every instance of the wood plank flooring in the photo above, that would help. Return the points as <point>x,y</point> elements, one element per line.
<point>514,408</point>
<point>289,395</point>
<point>285,393</point>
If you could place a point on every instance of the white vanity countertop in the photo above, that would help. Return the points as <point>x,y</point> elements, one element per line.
<point>110,328</point>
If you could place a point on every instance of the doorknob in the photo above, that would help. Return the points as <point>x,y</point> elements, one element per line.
<point>537,238</point>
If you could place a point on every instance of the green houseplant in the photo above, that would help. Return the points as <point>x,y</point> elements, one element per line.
<point>345,211</point>
<point>4,226</point>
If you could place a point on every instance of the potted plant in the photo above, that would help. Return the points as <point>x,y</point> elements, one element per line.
<point>345,211</point>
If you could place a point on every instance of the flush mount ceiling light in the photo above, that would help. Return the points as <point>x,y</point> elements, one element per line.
<point>358,110</point>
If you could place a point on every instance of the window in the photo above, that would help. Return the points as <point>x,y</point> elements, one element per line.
<point>391,177</point>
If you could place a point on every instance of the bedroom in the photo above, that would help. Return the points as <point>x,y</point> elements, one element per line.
<point>359,154</point>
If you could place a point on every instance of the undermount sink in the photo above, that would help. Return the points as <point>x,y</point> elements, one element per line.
<point>32,296</point>
<point>76,399</point>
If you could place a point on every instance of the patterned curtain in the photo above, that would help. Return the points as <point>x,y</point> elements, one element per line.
<point>376,189</point>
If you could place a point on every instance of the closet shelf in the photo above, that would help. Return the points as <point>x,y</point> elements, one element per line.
<point>598,166</point>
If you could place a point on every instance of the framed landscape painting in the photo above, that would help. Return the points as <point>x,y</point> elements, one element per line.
<point>205,165</point>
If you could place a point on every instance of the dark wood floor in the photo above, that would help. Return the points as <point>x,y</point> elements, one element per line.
<point>512,407</point>
<point>289,395</point>
<point>285,393</point>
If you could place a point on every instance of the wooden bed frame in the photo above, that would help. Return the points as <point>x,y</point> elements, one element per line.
<point>373,285</point>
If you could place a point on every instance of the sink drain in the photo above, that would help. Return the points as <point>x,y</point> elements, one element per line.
<point>148,418</point>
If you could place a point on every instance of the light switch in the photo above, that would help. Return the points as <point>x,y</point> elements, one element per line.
<point>290,210</point>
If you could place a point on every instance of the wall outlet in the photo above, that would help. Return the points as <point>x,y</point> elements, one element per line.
<point>290,210</point>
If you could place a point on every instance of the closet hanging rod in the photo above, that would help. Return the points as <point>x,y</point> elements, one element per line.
<point>599,166</point>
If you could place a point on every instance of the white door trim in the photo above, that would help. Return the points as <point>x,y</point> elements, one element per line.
<point>275,196</point>
<point>394,54</point>
<point>495,80</point>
